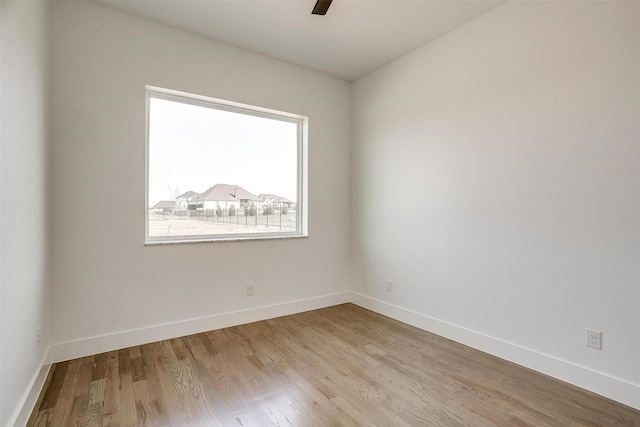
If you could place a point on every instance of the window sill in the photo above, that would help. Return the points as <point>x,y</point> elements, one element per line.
<point>224,239</point>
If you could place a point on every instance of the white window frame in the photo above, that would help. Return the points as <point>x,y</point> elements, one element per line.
<point>220,104</point>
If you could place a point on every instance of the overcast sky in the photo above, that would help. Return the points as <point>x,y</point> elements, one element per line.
<point>194,148</point>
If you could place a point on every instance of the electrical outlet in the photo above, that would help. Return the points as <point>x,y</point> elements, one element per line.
<point>251,289</point>
<point>388,285</point>
<point>38,336</point>
<point>594,339</point>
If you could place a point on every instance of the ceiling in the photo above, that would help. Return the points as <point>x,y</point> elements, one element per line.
<point>353,39</point>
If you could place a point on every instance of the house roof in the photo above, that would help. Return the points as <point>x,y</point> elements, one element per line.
<point>187,195</point>
<point>274,198</point>
<point>227,193</point>
<point>164,204</point>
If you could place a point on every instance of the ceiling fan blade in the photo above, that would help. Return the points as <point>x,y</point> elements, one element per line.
<point>321,7</point>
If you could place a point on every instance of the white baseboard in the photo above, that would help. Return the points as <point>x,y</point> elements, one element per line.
<point>614,388</point>
<point>100,344</point>
<point>30,397</point>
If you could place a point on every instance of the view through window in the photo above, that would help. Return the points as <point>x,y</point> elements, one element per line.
<point>218,170</point>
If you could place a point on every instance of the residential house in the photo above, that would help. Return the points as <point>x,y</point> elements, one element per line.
<point>275,202</point>
<point>164,205</point>
<point>225,196</point>
<point>186,199</point>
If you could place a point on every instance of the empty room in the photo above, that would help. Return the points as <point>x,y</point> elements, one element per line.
<point>315,213</point>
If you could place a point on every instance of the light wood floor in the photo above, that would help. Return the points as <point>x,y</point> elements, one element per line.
<point>341,365</point>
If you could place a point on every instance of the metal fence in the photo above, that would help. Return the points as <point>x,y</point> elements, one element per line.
<point>265,219</point>
<point>283,219</point>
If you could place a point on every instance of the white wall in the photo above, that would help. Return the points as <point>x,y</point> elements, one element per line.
<point>24,287</point>
<point>105,281</point>
<point>509,150</point>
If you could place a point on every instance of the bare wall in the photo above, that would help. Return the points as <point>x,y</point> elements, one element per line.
<point>24,285</point>
<point>105,281</point>
<point>497,184</point>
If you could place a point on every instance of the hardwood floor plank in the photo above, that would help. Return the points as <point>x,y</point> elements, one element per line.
<point>79,410</point>
<point>84,375</point>
<point>345,406</point>
<point>99,367</point>
<point>338,366</point>
<point>196,397</point>
<point>140,390</point>
<point>126,401</point>
<point>284,408</point>
<point>154,390</point>
<point>94,415</point>
<point>170,406</point>
<point>62,414</point>
<point>110,403</point>
<point>59,373</point>
<point>41,419</point>
<point>172,395</point>
<point>134,352</point>
<point>137,370</point>
<point>124,362</point>
<point>150,413</point>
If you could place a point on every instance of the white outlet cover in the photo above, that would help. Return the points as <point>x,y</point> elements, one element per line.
<point>594,339</point>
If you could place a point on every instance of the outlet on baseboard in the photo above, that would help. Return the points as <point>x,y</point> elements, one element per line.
<point>594,339</point>
<point>251,290</point>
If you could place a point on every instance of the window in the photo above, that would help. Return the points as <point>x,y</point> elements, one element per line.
<point>219,170</point>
